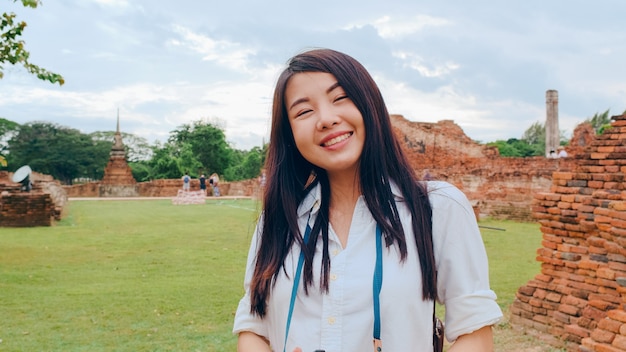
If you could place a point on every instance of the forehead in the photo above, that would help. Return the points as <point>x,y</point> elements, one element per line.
<point>306,83</point>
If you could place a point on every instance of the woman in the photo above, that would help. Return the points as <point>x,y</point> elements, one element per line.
<point>336,175</point>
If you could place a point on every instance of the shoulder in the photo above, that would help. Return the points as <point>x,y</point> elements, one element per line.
<point>445,196</point>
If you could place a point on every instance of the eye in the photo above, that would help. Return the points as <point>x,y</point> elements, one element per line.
<point>303,112</point>
<point>341,97</point>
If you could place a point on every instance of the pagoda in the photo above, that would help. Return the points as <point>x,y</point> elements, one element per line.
<point>118,180</point>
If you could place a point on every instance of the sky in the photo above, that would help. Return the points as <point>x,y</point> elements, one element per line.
<point>486,65</point>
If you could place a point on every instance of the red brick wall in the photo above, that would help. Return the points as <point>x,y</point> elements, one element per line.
<point>39,207</point>
<point>167,188</point>
<point>578,298</point>
<point>25,209</point>
<point>499,187</point>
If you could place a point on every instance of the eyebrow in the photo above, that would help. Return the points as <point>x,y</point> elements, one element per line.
<point>303,100</point>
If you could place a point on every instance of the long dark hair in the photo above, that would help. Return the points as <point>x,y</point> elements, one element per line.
<point>290,177</point>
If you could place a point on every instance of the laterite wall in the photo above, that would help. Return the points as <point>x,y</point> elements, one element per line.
<point>577,301</point>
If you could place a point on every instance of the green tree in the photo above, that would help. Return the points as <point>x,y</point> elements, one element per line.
<point>8,129</point>
<point>164,162</point>
<point>514,147</point>
<point>208,145</point>
<point>62,152</point>
<point>142,171</point>
<point>535,134</point>
<point>245,164</point>
<point>600,122</point>
<point>12,48</point>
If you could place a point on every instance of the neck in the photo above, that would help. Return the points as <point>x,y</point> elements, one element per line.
<point>345,189</point>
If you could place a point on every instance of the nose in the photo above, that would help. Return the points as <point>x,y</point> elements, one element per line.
<point>327,118</point>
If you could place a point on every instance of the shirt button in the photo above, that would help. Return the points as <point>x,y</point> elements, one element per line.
<point>335,252</point>
<point>333,277</point>
<point>331,320</point>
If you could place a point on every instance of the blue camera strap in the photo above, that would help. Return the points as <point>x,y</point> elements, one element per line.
<point>377,286</point>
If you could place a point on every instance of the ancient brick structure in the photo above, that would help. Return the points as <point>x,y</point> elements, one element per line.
<point>39,207</point>
<point>497,186</point>
<point>166,188</point>
<point>118,180</point>
<point>578,299</point>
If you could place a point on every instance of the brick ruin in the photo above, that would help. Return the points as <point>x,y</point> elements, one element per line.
<point>497,186</point>
<point>118,180</point>
<point>41,206</point>
<point>578,299</point>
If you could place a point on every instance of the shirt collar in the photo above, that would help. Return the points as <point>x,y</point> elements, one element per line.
<point>311,202</point>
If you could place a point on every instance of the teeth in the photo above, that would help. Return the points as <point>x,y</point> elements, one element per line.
<point>337,139</point>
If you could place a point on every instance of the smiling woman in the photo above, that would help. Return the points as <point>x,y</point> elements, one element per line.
<point>338,187</point>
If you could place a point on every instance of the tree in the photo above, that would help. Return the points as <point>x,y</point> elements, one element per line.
<point>12,48</point>
<point>246,165</point>
<point>62,152</point>
<point>600,122</point>
<point>208,145</point>
<point>535,134</point>
<point>164,162</point>
<point>514,147</point>
<point>7,130</point>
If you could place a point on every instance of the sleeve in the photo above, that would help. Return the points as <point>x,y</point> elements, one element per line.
<point>245,320</point>
<point>463,270</point>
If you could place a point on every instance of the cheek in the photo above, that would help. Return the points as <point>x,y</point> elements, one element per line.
<point>301,134</point>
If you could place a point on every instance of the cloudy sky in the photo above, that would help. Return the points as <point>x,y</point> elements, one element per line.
<point>484,64</point>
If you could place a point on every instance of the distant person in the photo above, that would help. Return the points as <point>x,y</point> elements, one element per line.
<point>262,179</point>
<point>214,180</point>
<point>562,152</point>
<point>186,182</point>
<point>552,154</point>
<point>203,184</point>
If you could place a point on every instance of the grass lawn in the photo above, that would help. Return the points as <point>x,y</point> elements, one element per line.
<point>121,275</point>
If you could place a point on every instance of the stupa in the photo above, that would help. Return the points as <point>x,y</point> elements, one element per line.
<point>118,180</point>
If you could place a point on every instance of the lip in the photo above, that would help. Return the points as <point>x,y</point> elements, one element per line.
<point>335,135</point>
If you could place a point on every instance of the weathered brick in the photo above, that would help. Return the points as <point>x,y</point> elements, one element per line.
<point>602,336</point>
<point>620,342</point>
<point>617,314</point>
<point>610,325</point>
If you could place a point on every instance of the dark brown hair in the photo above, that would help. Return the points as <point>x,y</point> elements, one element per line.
<point>290,177</point>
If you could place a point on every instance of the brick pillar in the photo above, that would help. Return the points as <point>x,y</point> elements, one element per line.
<point>578,299</point>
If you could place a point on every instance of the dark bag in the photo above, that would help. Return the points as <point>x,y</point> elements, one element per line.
<point>437,334</point>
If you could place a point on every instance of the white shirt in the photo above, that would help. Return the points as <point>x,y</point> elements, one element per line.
<point>342,320</point>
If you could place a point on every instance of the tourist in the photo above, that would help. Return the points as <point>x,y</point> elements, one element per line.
<point>552,154</point>
<point>336,180</point>
<point>186,181</point>
<point>203,184</point>
<point>562,152</point>
<point>214,180</point>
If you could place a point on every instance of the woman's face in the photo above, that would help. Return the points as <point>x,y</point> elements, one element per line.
<point>327,127</point>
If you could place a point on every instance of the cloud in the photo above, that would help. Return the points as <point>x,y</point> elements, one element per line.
<point>123,4</point>
<point>481,119</point>
<point>417,63</point>
<point>397,28</point>
<point>223,52</point>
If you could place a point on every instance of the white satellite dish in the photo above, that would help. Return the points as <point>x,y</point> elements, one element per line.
<point>22,174</point>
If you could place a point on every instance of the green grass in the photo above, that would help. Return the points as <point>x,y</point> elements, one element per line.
<point>122,275</point>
